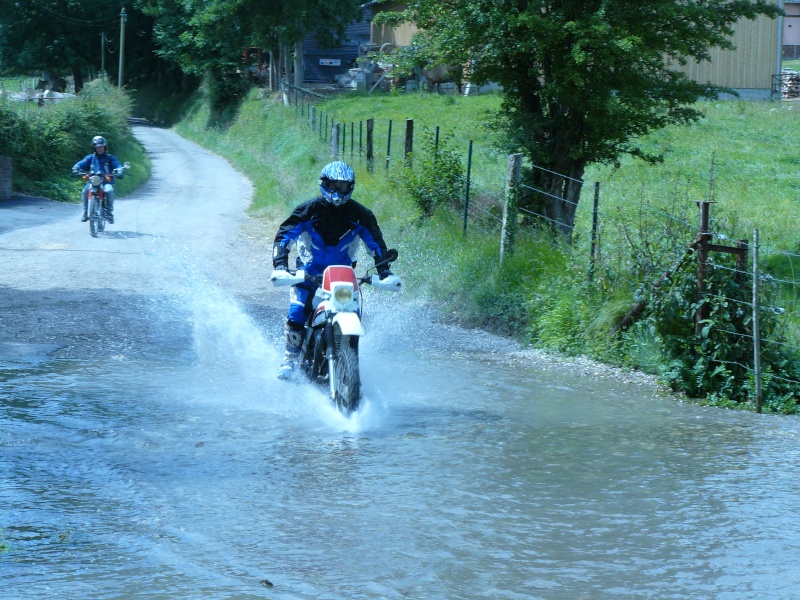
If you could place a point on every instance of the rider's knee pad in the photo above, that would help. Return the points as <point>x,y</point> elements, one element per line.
<point>294,336</point>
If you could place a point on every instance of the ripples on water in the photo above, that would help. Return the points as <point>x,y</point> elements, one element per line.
<point>174,478</point>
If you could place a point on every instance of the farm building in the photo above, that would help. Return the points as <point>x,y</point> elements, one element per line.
<point>325,64</point>
<point>751,69</point>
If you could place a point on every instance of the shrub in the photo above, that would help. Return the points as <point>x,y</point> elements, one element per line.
<point>432,176</point>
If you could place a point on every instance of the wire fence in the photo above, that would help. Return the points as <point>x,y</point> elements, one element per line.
<point>596,234</point>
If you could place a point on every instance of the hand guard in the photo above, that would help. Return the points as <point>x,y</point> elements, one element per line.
<point>391,283</point>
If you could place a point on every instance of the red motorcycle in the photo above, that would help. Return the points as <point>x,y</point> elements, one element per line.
<point>98,209</point>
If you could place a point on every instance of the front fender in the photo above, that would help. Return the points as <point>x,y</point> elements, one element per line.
<point>348,323</point>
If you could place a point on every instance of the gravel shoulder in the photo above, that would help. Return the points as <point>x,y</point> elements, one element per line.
<point>64,294</point>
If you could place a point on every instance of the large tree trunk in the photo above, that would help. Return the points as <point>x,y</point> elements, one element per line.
<point>298,64</point>
<point>77,78</point>
<point>555,197</point>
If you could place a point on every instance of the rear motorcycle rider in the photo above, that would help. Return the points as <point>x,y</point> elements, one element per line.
<point>327,230</point>
<point>103,162</point>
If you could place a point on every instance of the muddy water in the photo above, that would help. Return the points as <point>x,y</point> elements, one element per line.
<point>192,473</point>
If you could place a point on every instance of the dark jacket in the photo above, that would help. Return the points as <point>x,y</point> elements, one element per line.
<point>105,163</point>
<point>327,235</point>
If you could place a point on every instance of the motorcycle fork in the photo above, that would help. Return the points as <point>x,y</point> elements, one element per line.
<point>330,355</point>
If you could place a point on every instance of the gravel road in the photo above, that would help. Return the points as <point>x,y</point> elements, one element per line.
<point>64,294</point>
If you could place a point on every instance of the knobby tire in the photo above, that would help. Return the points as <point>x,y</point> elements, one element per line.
<point>348,380</point>
<point>94,216</point>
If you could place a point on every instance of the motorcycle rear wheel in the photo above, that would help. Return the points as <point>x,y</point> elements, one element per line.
<point>347,384</point>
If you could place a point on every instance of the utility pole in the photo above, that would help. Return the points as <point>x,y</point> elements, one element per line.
<point>122,18</point>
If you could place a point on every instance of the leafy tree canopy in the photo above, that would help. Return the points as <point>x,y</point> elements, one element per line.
<point>581,79</point>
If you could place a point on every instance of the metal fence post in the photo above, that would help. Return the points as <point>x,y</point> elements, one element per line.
<point>756,325</point>
<point>703,238</point>
<point>595,213</point>
<point>389,146</point>
<point>466,191</point>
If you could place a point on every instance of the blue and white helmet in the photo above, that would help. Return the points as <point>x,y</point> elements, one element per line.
<point>337,182</point>
<point>98,140</point>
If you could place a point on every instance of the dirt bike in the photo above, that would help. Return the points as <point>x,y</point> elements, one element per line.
<point>329,353</point>
<point>97,207</point>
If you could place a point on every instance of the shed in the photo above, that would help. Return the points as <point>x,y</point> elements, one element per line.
<point>325,64</point>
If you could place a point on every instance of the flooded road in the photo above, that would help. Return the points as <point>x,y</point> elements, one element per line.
<point>160,458</point>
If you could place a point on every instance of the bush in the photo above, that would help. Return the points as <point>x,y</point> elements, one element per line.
<point>45,142</point>
<point>716,364</point>
<point>432,176</point>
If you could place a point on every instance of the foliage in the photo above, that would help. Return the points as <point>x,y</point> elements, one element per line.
<point>206,39</point>
<point>582,80</point>
<point>66,38</point>
<point>434,175</point>
<point>717,362</point>
<point>44,142</point>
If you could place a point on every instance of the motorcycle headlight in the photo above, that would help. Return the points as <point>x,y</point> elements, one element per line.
<point>95,180</point>
<point>343,295</point>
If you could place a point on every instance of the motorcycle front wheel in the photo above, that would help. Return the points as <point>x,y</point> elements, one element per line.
<point>347,382</point>
<point>95,216</point>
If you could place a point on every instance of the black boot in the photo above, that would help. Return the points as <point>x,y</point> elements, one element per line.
<point>84,218</point>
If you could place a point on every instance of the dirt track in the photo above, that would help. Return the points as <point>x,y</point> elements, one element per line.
<point>187,221</point>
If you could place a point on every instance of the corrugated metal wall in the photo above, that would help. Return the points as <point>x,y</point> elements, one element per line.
<point>400,36</point>
<point>750,66</point>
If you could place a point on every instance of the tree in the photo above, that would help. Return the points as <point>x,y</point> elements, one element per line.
<point>581,79</point>
<point>54,36</point>
<point>207,37</point>
<point>64,37</point>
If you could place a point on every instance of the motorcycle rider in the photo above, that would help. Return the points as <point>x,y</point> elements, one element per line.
<point>327,231</point>
<point>99,161</point>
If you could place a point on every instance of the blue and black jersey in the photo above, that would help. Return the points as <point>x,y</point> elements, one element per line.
<point>327,235</point>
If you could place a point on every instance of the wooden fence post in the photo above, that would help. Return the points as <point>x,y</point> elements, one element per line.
<point>509,230</point>
<point>335,139</point>
<point>313,119</point>
<point>370,149</point>
<point>409,139</point>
